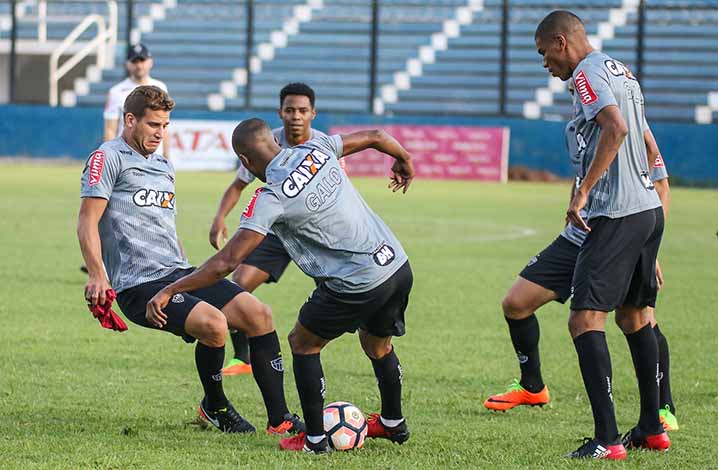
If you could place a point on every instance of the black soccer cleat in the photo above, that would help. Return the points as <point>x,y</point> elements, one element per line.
<point>595,449</point>
<point>226,419</point>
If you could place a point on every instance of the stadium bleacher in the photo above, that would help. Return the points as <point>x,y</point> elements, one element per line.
<point>433,57</point>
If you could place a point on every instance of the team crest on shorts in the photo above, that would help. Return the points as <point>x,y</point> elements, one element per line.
<point>532,261</point>
<point>177,299</point>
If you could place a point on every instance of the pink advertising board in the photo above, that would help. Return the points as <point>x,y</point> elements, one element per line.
<point>439,152</point>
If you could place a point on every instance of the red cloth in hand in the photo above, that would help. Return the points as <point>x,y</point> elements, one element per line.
<point>104,314</point>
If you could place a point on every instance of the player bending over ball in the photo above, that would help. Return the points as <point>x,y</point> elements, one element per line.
<point>334,237</point>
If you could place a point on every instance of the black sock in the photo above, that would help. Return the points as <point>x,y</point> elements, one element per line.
<point>312,389</point>
<point>209,366</point>
<point>525,338</point>
<point>644,352</point>
<point>664,364</point>
<point>268,371</point>
<point>595,363</point>
<point>241,345</point>
<point>389,377</point>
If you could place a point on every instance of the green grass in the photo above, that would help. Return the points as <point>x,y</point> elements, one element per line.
<point>74,395</point>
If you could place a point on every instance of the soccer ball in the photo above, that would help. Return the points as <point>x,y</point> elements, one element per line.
<point>345,425</point>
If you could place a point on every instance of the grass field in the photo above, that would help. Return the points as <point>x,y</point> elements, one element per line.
<point>73,395</point>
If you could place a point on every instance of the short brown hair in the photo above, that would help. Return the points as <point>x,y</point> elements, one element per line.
<point>147,97</point>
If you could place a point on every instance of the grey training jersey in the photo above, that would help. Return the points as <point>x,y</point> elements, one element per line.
<point>137,230</point>
<point>322,221</point>
<point>245,176</point>
<point>625,188</point>
<point>577,236</point>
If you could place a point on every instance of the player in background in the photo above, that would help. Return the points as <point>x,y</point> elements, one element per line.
<point>365,279</point>
<point>548,277</point>
<point>268,262</point>
<point>616,264</point>
<point>127,221</point>
<point>139,64</point>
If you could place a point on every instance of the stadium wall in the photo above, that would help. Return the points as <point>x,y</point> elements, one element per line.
<point>690,150</point>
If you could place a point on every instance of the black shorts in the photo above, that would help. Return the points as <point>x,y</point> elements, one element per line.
<point>270,256</point>
<point>616,266</point>
<point>380,311</point>
<point>133,301</point>
<point>553,268</point>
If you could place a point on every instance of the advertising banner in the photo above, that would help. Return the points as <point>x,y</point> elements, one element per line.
<point>202,145</point>
<point>439,152</point>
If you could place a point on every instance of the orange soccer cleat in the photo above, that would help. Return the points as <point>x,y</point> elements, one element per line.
<point>516,395</point>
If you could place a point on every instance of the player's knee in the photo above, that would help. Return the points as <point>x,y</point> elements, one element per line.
<point>377,350</point>
<point>295,343</point>
<point>632,320</point>
<point>514,308</point>
<point>214,331</point>
<point>259,320</point>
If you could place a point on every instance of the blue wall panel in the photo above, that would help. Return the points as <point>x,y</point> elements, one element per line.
<point>690,150</point>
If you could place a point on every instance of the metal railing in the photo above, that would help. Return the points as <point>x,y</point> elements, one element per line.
<point>503,17</point>
<point>103,44</point>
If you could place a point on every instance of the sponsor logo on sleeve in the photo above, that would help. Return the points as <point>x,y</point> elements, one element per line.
<point>304,173</point>
<point>152,198</point>
<point>584,90</point>
<point>249,210</point>
<point>384,255</point>
<point>658,162</point>
<point>95,165</point>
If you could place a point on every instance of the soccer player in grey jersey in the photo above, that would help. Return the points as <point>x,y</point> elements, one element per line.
<point>127,221</point>
<point>616,265</point>
<point>548,277</point>
<point>332,235</point>
<point>269,260</point>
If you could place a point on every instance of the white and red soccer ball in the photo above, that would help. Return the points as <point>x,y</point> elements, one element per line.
<point>345,426</point>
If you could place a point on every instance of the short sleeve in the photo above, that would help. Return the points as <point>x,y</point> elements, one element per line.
<point>100,174</point>
<point>332,144</point>
<point>593,90</point>
<point>244,175</point>
<point>659,171</point>
<point>262,211</point>
<point>112,106</point>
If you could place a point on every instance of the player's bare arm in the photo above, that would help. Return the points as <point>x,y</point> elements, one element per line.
<point>213,270</point>
<point>613,133</point>
<point>652,151</point>
<point>403,169</point>
<point>110,129</point>
<point>88,234</point>
<point>662,186</point>
<point>166,145</point>
<point>218,232</point>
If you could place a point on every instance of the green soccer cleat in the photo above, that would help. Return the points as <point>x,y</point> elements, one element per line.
<point>668,419</point>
